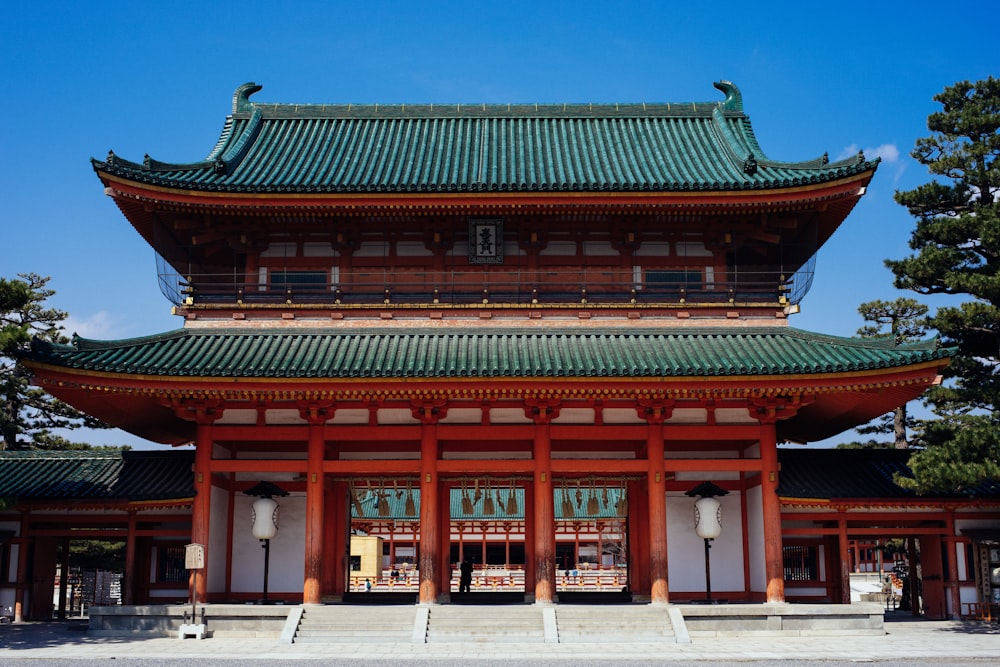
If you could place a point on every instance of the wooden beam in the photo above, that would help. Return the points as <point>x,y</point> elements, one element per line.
<point>881,531</point>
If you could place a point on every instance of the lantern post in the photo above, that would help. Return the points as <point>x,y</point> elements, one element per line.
<point>264,519</point>
<point>708,524</point>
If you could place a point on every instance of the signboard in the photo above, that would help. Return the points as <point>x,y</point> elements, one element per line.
<point>194,557</point>
<point>485,241</point>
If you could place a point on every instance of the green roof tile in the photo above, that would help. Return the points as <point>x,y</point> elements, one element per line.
<point>96,475</point>
<point>313,148</point>
<point>511,353</point>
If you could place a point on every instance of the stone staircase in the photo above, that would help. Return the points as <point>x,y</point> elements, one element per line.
<point>356,624</point>
<point>476,623</point>
<point>614,623</point>
<point>485,623</point>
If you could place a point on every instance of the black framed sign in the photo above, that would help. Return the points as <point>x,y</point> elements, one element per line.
<point>485,241</point>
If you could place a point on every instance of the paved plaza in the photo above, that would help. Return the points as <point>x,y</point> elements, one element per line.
<point>906,640</point>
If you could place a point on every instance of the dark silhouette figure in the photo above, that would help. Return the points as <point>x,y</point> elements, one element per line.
<point>465,578</point>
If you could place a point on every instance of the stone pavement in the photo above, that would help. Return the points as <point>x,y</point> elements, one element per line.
<point>906,640</point>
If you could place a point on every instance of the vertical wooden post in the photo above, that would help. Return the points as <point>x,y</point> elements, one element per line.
<point>951,548</point>
<point>201,507</point>
<point>657,485</point>
<point>845,558</point>
<point>529,539</point>
<point>638,539</point>
<point>771,507</point>
<point>312,587</point>
<point>335,540</point>
<point>444,549</point>
<point>542,413</point>
<point>64,579</point>
<point>128,585</point>
<point>430,534</point>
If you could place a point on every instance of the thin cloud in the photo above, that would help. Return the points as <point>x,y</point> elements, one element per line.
<point>888,152</point>
<point>100,325</point>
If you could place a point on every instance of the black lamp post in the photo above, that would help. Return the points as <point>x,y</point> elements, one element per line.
<point>707,523</point>
<point>264,519</point>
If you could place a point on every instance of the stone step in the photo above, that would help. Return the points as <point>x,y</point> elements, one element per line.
<point>354,624</point>
<point>627,623</point>
<point>522,624</point>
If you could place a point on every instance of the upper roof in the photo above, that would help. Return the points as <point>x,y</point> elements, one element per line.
<point>313,148</point>
<point>470,352</point>
<point>96,474</point>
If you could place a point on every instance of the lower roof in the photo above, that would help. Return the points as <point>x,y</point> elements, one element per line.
<point>837,382</point>
<point>96,474</point>
<point>468,352</point>
<point>114,476</point>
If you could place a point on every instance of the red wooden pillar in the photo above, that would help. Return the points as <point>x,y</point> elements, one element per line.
<point>774,569</point>
<point>430,528</point>
<point>201,507</point>
<point>845,558</point>
<point>542,413</point>
<point>312,587</point>
<point>444,548</point>
<point>951,547</point>
<point>529,541</point>
<point>638,539</point>
<point>23,557</point>
<point>335,540</point>
<point>128,593</point>
<point>655,414</point>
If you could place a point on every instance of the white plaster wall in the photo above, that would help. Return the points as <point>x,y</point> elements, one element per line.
<point>7,590</point>
<point>287,565</point>
<point>755,532</point>
<point>686,551</point>
<point>217,540</point>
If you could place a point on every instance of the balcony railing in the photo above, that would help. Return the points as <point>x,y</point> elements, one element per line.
<point>542,287</point>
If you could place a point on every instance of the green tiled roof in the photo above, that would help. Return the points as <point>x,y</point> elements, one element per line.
<point>312,148</point>
<point>511,353</point>
<point>856,473</point>
<point>96,475</point>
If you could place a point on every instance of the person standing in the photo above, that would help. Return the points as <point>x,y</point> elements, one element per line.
<point>465,578</point>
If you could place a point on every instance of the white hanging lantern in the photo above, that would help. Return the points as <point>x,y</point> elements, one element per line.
<point>264,515</point>
<point>708,518</point>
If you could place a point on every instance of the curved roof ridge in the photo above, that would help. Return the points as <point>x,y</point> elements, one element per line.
<point>272,148</point>
<point>568,351</point>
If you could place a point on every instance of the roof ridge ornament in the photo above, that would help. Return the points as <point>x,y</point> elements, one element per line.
<point>734,98</point>
<point>241,98</point>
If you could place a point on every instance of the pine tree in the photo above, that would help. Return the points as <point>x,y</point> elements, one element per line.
<point>26,410</point>
<point>903,320</point>
<point>956,246</point>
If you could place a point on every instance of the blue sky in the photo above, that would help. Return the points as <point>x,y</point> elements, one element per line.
<point>80,78</point>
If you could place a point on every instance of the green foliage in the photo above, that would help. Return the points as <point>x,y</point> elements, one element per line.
<point>24,409</point>
<point>962,452</point>
<point>957,237</point>
<point>956,246</point>
<point>97,555</point>
<point>870,444</point>
<point>904,320</point>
